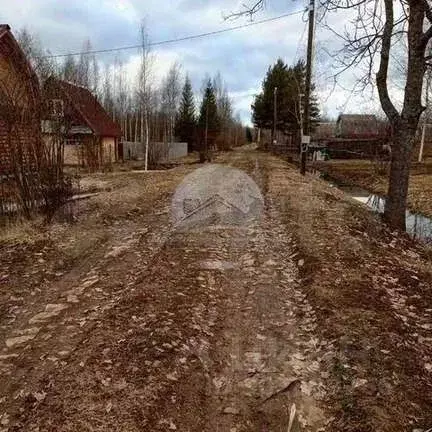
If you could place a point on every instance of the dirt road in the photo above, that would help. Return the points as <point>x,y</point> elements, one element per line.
<point>312,318</point>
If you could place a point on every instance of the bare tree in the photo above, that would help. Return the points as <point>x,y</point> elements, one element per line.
<point>121,96</point>
<point>171,92</point>
<point>378,28</point>
<point>107,90</point>
<point>371,38</point>
<point>83,66</point>
<point>32,47</point>
<point>144,89</point>
<point>69,70</point>
<point>94,75</point>
<point>225,114</point>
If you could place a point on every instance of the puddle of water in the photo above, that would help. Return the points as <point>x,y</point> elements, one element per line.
<point>418,226</point>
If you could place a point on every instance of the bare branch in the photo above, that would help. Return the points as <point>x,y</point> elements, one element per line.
<point>382,74</point>
<point>428,10</point>
<point>246,11</point>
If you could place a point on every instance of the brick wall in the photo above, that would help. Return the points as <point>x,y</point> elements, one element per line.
<point>20,143</point>
<point>4,153</point>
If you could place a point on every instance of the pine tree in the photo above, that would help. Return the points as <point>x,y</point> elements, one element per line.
<point>208,122</point>
<point>185,127</point>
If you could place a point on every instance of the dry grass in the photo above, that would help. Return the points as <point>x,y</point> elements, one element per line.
<point>372,291</point>
<point>21,231</point>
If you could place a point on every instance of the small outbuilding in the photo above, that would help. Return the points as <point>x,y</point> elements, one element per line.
<point>92,137</point>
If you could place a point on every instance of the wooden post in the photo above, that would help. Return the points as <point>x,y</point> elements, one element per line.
<point>308,87</point>
<point>274,116</point>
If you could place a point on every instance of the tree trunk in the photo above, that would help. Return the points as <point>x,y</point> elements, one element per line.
<point>130,127</point>
<point>405,124</point>
<point>136,127</point>
<point>143,147</point>
<point>395,208</point>
<point>147,132</point>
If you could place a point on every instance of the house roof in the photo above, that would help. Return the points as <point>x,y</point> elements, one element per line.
<point>357,118</point>
<point>11,49</point>
<point>3,29</point>
<point>324,130</point>
<point>90,109</point>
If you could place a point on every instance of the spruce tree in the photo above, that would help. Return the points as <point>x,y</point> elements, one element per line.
<point>208,123</point>
<point>248,133</point>
<point>185,128</point>
<point>290,82</point>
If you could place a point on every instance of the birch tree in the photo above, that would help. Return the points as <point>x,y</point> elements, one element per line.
<point>69,69</point>
<point>83,66</point>
<point>171,93</point>
<point>36,54</point>
<point>107,90</point>
<point>144,89</point>
<point>94,79</point>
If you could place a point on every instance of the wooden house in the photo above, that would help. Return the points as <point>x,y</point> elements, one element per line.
<point>323,131</point>
<point>92,138</point>
<point>20,140</point>
<point>354,126</point>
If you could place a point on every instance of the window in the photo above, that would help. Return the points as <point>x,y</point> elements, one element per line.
<point>73,141</point>
<point>56,108</point>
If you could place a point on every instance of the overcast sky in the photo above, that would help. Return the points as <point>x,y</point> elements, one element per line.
<point>242,56</point>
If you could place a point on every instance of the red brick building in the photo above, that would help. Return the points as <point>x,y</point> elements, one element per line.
<point>20,138</point>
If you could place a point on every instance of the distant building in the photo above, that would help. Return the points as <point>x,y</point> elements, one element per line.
<point>356,126</point>
<point>324,130</point>
<point>92,137</point>
<point>19,107</point>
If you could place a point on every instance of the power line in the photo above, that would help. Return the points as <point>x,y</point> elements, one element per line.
<point>168,41</point>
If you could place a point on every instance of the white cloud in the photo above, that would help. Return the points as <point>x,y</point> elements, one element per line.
<point>242,56</point>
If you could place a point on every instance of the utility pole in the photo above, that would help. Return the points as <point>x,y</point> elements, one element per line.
<point>301,116</point>
<point>206,133</point>
<point>308,85</point>
<point>274,115</point>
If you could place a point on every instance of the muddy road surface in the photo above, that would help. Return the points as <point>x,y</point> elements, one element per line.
<point>310,317</point>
